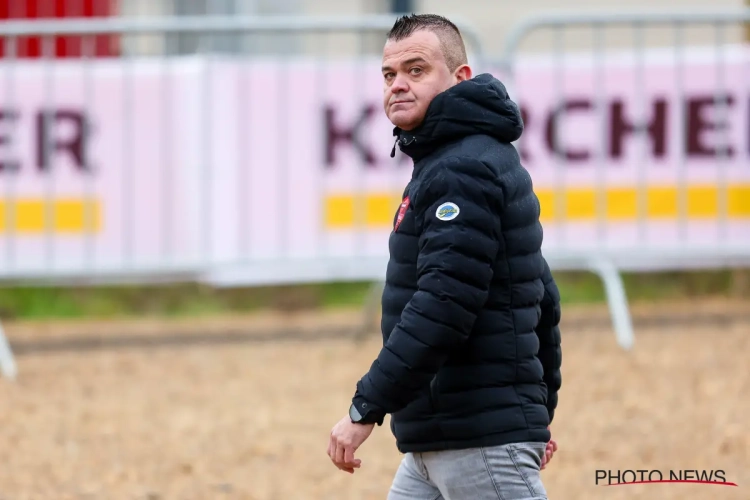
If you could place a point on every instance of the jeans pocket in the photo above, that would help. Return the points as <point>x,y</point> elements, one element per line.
<point>516,470</point>
<point>530,454</point>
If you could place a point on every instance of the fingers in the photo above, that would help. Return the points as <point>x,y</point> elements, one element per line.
<point>348,456</point>
<point>349,461</point>
<point>548,453</point>
<point>350,467</point>
<point>339,458</point>
<point>342,456</point>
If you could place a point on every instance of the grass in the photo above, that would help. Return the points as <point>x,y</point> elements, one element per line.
<point>195,299</point>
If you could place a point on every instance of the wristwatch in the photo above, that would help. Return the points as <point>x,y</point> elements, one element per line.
<point>363,417</point>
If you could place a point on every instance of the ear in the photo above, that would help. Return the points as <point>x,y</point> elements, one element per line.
<point>462,73</point>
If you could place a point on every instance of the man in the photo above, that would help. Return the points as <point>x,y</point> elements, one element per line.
<point>470,366</point>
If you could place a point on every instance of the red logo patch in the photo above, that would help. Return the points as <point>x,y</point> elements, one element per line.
<point>401,212</point>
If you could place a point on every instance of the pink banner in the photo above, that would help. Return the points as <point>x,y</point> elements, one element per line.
<point>224,161</point>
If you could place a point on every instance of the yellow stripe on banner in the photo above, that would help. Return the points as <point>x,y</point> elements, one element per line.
<point>620,204</point>
<point>663,202</point>
<point>61,215</point>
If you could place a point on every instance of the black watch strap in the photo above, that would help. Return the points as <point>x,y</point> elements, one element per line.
<point>359,413</point>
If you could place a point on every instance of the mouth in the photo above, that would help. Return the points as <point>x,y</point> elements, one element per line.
<point>400,102</point>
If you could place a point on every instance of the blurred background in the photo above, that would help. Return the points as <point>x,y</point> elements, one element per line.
<point>195,203</point>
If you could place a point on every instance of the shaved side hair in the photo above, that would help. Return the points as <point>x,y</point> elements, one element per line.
<point>451,42</point>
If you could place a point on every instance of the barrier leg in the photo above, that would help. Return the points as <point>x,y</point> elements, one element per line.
<point>617,301</point>
<point>372,304</point>
<point>7,361</point>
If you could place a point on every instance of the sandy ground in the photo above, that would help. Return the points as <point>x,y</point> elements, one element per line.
<point>248,418</point>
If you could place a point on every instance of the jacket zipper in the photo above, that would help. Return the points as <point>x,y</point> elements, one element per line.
<point>433,394</point>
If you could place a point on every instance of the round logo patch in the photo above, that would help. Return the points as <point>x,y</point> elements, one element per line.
<point>447,211</point>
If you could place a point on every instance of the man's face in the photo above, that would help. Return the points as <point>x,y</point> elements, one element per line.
<point>414,72</point>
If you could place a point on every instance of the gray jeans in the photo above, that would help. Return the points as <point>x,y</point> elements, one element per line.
<point>508,472</point>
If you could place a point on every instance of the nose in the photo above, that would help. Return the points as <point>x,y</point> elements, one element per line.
<point>399,84</point>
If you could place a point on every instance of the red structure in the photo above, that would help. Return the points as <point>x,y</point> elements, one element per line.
<point>63,46</point>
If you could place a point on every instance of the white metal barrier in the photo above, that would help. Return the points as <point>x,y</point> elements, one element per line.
<point>239,170</point>
<point>640,156</point>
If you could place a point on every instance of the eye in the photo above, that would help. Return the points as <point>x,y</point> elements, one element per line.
<point>415,71</point>
<point>388,76</point>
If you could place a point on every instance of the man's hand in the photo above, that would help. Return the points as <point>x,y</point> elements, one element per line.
<point>345,438</point>
<point>549,452</point>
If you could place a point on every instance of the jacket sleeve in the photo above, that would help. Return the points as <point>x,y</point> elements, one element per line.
<point>548,331</point>
<point>454,271</point>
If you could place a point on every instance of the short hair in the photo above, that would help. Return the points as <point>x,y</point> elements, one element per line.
<point>451,41</point>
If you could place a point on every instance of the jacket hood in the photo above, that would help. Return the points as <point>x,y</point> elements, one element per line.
<point>480,105</point>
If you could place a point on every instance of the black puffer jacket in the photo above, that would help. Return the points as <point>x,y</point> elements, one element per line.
<point>471,353</point>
